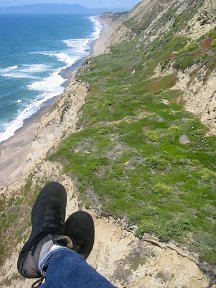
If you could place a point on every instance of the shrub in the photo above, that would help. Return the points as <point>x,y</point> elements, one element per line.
<point>175,228</point>
<point>213,44</point>
<point>207,174</point>
<point>157,163</point>
<point>164,64</point>
<point>192,46</point>
<point>153,136</point>
<point>162,189</point>
<point>184,62</point>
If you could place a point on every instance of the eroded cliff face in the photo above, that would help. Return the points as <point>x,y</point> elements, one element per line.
<point>152,19</point>
<point>58,123</point>
<point>147,15</point>
<point>199,97</point>
<point>121,257</point>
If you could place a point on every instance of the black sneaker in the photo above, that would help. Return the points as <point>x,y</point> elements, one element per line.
<point>48,217</point>
<point>79,227</point>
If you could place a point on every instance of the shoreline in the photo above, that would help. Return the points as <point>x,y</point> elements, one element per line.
<point>15,152</point>
<point>102,43</point>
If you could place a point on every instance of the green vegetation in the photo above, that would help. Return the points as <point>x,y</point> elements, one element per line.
<point>184,62</point>
<point>140,156</point>
<point>213,44</point>
<point>176,20</point>
<point>201,52</point>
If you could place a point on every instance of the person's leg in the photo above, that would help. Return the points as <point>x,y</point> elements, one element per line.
<point>76,273</point>
<point>48,223</point>
<point>66,268</point>
<point>47,250</point>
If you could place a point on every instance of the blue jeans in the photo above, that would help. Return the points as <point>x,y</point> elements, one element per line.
<point>66,269</point>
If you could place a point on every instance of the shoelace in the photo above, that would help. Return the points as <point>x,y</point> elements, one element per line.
<point>37,283</point>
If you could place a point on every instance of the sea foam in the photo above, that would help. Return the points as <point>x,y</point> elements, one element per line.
<point>23,71</point>
<point>13,126</point>
<point>97,27</point>
<point>50,86</point>
<point>62,56</point>
<point>47,88</point>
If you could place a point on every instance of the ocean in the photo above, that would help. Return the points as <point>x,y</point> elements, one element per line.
<point>35,50</point>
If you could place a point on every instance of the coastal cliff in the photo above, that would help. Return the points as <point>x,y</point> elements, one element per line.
<point>197,78</point>
<point>122,123</point>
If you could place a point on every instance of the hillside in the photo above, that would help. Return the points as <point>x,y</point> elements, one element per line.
<point>138,151</point>
<point>190,21</point>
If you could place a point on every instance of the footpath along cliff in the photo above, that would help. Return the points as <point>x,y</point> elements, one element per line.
<point>124,143</point>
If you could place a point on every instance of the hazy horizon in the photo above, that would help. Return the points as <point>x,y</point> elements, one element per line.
<point>86,3</point>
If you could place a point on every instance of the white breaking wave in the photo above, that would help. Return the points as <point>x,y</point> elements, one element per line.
<point>79,46</point>
<point>11,127</point>
<point>18,75</point>
<point>18,101</point>
<point>63,57</point>
<point>67,59</point>
<point>49,87</point>
<point>34,68</point>
<point>97,26</point>
<point>50,84</point>
<point>78,49</point>
<point>23,71</point>
<point>8,69</point>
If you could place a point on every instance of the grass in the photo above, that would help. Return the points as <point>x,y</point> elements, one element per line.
<point>128,158</point>
<point>178,20</point>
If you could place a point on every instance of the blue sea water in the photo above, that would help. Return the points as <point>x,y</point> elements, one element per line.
<point>34,49</point>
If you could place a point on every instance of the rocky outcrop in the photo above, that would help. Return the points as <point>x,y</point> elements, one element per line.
<point>159,18</point>
<point>120,256</point>
<point>149,17</point>
<point>55,125</point>
<point>199,97</point>
<point>121,33</point>
<point>203,21</point>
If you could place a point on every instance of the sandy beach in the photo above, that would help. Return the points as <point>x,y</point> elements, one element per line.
<point>14,151</point>
<point>103,42</point>
<point>21,152</point>
<point>179,252</point>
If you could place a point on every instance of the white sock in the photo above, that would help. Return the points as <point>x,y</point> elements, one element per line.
<point>49,247</point>
<point>45,250</point>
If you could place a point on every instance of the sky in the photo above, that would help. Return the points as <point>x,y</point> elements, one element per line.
<point>87,3</point>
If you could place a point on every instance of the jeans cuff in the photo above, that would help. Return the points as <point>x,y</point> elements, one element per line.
<point>44,264</point>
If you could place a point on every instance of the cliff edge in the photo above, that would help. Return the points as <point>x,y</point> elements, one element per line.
<point>127,151</point>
